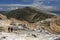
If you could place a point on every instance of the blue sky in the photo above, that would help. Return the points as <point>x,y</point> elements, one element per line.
<point>51,5</point>
<point>16,1</point>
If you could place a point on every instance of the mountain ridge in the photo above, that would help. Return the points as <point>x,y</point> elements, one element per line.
<point>29,14</point>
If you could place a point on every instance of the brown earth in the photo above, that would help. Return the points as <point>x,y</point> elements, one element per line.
<point>31,25</point>
<point>3,16</point>
<point>55,25</point>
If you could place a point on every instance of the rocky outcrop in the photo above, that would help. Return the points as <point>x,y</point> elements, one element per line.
<point>55,25</point>
<point>3,16</point>
<point>31,26</point>
<point>4,24</point>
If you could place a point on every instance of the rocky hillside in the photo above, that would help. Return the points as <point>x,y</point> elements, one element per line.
<point>3,16</point>
<point>29,14</point>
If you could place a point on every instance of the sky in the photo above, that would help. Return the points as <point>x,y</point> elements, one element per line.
<point>50,5</point>
<point>16,1</point>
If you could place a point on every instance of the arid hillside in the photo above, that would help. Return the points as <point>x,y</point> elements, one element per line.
<point>29,14</point>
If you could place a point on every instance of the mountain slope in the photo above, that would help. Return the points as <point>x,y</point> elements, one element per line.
<point>29,14</point>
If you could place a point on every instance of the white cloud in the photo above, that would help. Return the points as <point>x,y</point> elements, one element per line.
<point>41,4</point>
<point>1,8</point>
<point>48,7</point>
<point>15,5</point>
<point>36,3</point>
<point>12,8</point>
<point>9,8</point>
<point>44,7</point>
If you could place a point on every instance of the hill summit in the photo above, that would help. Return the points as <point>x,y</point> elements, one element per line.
<point>29,14</point>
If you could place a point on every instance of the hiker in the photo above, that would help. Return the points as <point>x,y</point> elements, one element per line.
<point>0,18</point>
<point>10,29</point>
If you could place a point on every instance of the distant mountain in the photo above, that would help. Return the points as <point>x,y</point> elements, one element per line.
<point>29,14</point>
